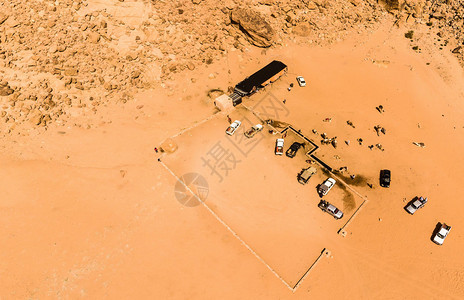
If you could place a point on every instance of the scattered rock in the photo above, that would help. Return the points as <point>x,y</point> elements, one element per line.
<point>6,90</point>
<point>93,37</point>
<point>36,118</point>
<point>71,72</point>
<point>457,50</point>
<point>190,66</point>
<point>3,18</point>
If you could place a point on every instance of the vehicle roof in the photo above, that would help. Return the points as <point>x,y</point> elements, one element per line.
<point>261,76</point>
<point>443,231</point>
<point>438,239</point>
<point>411,208</point>
<point>308,171</point>
<point>417,203</point>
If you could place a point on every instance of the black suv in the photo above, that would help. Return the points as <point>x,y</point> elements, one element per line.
<point>385,178</point>
<point>291,152</point>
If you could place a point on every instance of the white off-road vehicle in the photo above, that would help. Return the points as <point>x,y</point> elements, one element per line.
<point>441,234</point>
<point>279,147</point>
<point>233,127</point>
<point>326,186</point>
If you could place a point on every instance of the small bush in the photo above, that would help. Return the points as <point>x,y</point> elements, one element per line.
<point>409,34</point>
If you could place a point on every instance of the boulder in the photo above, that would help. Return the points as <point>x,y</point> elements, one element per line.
<point>302,29</point>
<point>36,118</point>
<point>254,25</point>
<point>93,37</point>
<point>71,72</point>
<point>6,90</point>
<point>391,5</point>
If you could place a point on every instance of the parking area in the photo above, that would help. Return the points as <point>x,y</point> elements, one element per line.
<point>257,192</point>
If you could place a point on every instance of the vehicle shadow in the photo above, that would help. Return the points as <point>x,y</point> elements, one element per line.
<point>435,231</point>
<point>317,191</point>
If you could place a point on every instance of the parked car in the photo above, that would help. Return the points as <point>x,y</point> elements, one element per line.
<point>253,130</point>
<point>326,186</point>
<point>291,152</point>
<point>441,234</point>
<point>385,178</point>
<point>305,174</point>
<point>301,81</point>
<point>415,204</point>
<point>332,210</point>
<point>233,127</point>
<point>279,147</point>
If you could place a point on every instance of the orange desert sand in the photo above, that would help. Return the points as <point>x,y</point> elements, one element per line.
<point>89,212</point>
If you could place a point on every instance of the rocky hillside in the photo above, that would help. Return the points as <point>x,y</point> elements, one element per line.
<point>60,59</point>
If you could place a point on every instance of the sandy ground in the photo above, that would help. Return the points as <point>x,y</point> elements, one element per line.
<point>90,213</point>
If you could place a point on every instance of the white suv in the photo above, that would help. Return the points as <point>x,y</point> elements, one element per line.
<point>301,81</point>
<point>279,147</point>
<point>325,187</point>
<point>233,127</point>
<point>440,236</point>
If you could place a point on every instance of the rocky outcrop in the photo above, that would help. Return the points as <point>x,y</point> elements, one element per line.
<point>391,5</point>
<point>254,25</point>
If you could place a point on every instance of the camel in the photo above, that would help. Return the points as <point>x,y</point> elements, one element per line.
<point>377,129</point>
<point>379,146</point>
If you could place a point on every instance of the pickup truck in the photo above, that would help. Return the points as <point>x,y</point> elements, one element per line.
<point>233,127</point>
<point>330,209</point>
<point>305,174</point>
<point>253,130</point>
<point>416,204</point>
<point>326,186</point>
<point>291,152</point>
<point>279,147</point>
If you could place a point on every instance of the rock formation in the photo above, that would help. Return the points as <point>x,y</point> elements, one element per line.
<point>254,25</point>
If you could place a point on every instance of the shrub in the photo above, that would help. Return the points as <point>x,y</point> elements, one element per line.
<point>409,34</point>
